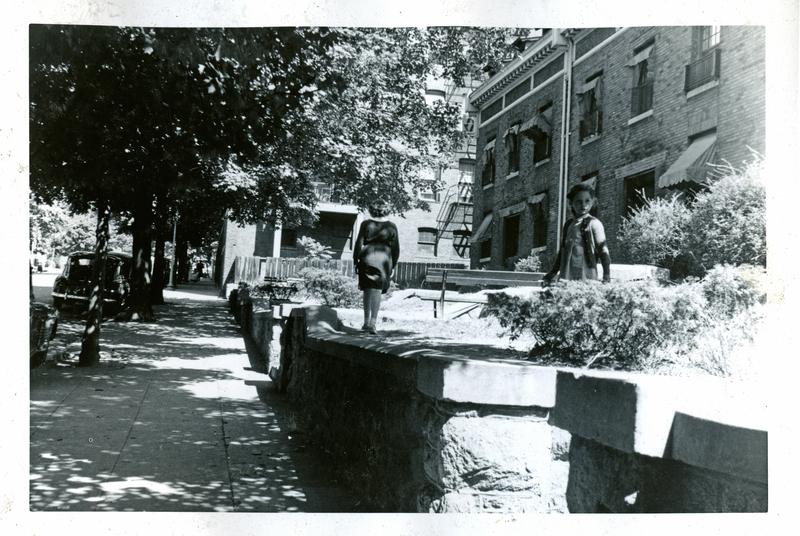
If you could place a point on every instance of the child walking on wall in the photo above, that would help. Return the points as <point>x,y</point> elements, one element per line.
<point>583,241</point>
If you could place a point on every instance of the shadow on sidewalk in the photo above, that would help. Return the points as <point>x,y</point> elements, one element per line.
<point>171,420</point>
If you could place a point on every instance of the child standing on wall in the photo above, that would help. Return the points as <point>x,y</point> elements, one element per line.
<point>582,241</point>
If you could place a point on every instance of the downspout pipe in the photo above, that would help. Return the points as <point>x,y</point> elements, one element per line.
<point>566,128</point>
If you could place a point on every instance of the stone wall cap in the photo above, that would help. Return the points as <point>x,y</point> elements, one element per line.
<point>689,419</point>
<point>439,374</point>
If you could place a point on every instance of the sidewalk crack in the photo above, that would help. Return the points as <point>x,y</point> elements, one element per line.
<point>130,429</point>
<point>227,455</point>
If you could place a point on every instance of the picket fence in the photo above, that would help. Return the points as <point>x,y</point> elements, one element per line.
<point>253,270</point>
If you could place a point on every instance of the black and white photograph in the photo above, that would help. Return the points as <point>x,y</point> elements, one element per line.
<point>438,264</point>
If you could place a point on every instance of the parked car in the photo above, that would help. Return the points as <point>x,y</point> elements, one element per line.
<point>73,286</point>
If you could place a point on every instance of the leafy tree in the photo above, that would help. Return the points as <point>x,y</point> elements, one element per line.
<point>138,122</point>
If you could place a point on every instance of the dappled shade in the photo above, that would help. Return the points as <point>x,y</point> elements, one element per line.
<point>171,420</point>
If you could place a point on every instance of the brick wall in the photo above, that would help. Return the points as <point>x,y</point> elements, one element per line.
<point>735,107</point>
<point>532,179</point>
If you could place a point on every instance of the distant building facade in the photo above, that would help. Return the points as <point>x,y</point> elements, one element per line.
<point>440,235</point>
<point>631,110</point>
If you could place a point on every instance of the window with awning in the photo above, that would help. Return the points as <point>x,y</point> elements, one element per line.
<point>589,96</point>
<point>511,138</point>
<point>692,164</point>
<point>487,173</point>
<point>539,129</point>
<point>538,205</point>
<point>642,88</point>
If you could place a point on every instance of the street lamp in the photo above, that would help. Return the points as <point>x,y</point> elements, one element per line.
<point>171,284</point>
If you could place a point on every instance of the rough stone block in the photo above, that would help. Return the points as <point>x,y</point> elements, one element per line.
<point>495,453</point>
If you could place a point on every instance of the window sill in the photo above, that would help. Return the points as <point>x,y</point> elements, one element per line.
<point>541,162</point>
<point>590,139</point>
<point>512,175</point>
<point>702,89</point>
<point>640,117</point>
<point>487,186</point>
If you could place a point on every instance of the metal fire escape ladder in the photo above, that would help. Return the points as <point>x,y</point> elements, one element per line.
<point>455,217</point>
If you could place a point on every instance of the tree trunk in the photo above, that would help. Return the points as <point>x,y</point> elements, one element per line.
<point>90,345</point>
<point>159,263</point>
<point>140,306</point>
<point>182,252</point>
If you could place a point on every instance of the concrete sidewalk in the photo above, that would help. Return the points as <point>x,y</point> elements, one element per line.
<point>171,420</point>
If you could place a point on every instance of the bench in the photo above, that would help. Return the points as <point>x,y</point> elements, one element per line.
<point>474,301</point>
<point>483,278</point>
<point>473,278</point>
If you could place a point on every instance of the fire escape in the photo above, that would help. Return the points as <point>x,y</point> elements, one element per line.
<point>455,217</point>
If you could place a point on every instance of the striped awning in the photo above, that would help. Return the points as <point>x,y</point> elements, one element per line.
<point>514,129</point>
<point>640,56</point>
<point>483,229</point>
<point>538,124</point>
<point>692,164</point>
<point>537,198</point>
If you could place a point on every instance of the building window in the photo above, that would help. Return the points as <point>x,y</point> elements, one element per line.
<point>706,67</point>
<point>638,188</point>
<point>511,236</point>
<point>487,174</point>
<point>288,238</point>
<point>642,90</point>
<point>589,105</point>
<point>466,170</point>
<point>539,220</point>
<point>539,129</point>
<point>426,241</point>
<point>512,149</point>
<point>486,249</point>
<point>428,193</point>
<point>709,37</point>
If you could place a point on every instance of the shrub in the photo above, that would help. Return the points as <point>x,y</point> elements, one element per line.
<point>728,221</point>
<point>655,233</point>
<point>725,224</point>
<point>618,325</point>
<point>531,263</point>
<point>733,289</point>
<point>332,288</point>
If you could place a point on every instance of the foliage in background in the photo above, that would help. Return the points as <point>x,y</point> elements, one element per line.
<point>531,263</point>
<point>724,224</point>
<point>314,249</point>
<point>55,231</point>
<point>331,288</point>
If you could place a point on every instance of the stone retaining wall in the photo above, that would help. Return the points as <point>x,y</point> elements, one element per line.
<point>415,430</point>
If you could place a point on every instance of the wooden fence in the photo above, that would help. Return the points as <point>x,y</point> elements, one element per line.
<point>254,269</point>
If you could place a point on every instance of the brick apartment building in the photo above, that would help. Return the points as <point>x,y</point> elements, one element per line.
<point>631,110</point>
<point>440,235</point>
